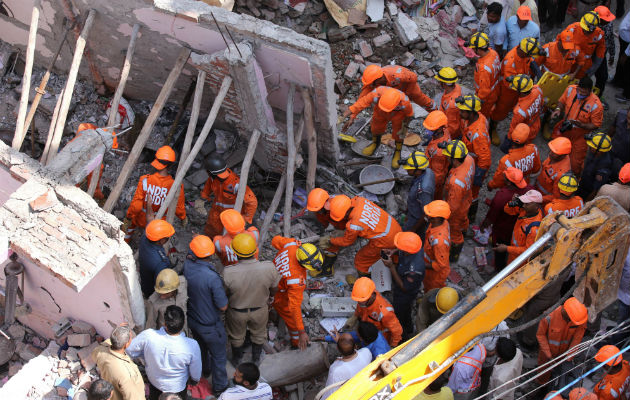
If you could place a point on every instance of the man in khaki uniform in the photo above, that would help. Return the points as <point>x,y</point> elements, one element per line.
<point>170,289</point>
<point>116,367</point>
<point>250,285</point>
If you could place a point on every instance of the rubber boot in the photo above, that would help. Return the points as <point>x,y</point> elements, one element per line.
<point>454,253</point>
<point>256,350</point>
<point>371,148</point>
<point>496,140</point>
<point>237,355</point>
<point>396,156</point>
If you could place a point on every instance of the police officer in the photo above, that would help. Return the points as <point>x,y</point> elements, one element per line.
<point>421,192</point>
<point>151,255</point>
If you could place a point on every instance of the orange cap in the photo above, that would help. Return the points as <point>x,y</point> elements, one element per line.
<point>363,289</point>
<point>164,153</point>
<point>316,199</point>
<point>624,173</point>
<point>524,13</point>
<point>372,72</point>
<point>339,206</point>
<point>567,39</point>
<point>408,242</point>
<point>560,146</point>
<point>581,393</point>
<point>520,133</point>
<point>515,176</point>
<point>576,310</point>
<point>390,99</point>
<point>607,352</point>
<point>435,120</point>
<point>604,13</point>
<point>438,208</point>
<point>232,221</point>
<point>202,246</point>
<point>85,126</point>
<point>159,229</point>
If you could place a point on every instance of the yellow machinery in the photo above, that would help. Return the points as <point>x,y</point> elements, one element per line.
<point>596,241</point>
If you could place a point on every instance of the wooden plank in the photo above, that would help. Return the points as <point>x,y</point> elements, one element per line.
<point>288,196</point>
<point>247,162</point>
<point>311,137</point>
<point>51,128</point>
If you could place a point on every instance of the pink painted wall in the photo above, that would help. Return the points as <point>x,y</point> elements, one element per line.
<point>8,186</point>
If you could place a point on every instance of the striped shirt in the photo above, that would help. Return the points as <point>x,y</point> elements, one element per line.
<point>238,392</point>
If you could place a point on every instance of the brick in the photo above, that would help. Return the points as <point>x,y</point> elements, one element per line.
<point>337,35</point>
<point>79,340</point>
<point>54,232</point>
<point>44,202</point>
<point>406,59</point>
<point>85,355</point>
<point>80,231</point>
<point>351,70</point>
<point>83,327</point>
<point>365,49</point>
<point>358,58</point>
<point>95,231</point>
<point>356,17</point>
<point>341,88</point>
<point>382,40</point>
<point>29,352</point>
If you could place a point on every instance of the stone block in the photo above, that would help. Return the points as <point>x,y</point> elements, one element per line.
<point>356,17</point>
<point>83,327</point>
<point>29,352</point>
<point>406,59</point>
<point>351,70</point>
<point>17,332</point>
<point>392,8</point>
<point>199,177</point>
<point>79,340</point>
<point>382,40</point>
<point>268,14</point>
<point>341,88</point>
<point>338,306</point>
<point>406,29</point>
<point>85,355</point>
<point>364,48</point>
<point>72,354</point>
<point>337,35</point>
<point>44,202</point>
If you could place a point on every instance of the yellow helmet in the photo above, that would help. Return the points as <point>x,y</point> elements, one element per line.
<point>454,148</point>
<point>418,160</point>
<point>568,183</point>
<point>530,46</point>
<point>446,299</point>
<point>478,40</point>
<point>599,141</point>
<point>309,256</point>
<point>166,281</point>
<point>469,102</point>
<point>589,21</point>
<point>244,245</point>
<point>447,75</point>
<point>521,83</point>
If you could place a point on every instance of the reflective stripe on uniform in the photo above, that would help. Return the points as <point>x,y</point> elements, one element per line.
<point>460,183</point>
<point>387,228</point>
<point>523,113</point>
<point>356,227</point>
<point>224,205</point>
<point>289,245</point>
<point>293,281</point>
<point>558,343</point>
<point>508,164</point>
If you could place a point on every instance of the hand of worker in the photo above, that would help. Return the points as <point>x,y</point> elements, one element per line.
<point>303,341</point>
<point>324,242</point>
<point>345,126</point>
<point>335,334</point>
<point>501,248</point>
<point>200,206</point>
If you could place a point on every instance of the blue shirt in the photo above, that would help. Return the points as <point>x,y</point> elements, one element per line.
<point>515,34</point>
<point>169,360</point>
<point>410,263</point>
<point>206,295</point>
<point>420,194</point>
<point>497,33</point>
<point>379,346</point>
<point>152,259</point>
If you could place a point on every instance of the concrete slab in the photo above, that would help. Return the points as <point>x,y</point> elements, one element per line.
<point>338,306</point>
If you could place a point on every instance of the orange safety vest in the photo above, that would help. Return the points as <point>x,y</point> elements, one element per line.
<point>381,314</point>
<point>292,278</point>
<point>615,387</point>
<point>158,187</point>
<point>554,61</point>
<point>458,188</point>
<point>477,364</point>
<point>555,335</point>
<point>547,180</point>
<point>437,244</point>
<point>570,207</point>
<point>487,76</point>
<point>369,221</point>
<point>525,231</point>
<point>589,44</point>
<point>448,106</point>
<point>438,162</point>
<point>525,158</point>
<point>477,142</point>
<point>222,244</point>
<point>527,111</point>
<point>225,195</point>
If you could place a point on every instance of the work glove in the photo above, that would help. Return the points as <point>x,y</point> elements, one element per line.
<point>324,242</point>
<point>200,206</point>
<point>350,323</point>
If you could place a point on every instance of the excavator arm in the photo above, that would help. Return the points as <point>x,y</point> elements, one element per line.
<point>596,241</point>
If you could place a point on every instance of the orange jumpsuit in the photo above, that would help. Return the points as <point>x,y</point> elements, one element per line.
<point>589,44</point>
<point>224,250</point>
<point>381,314</point>
<point>512,65</point>
<point>224,197</point>
<point>438,163</point>
<point>158,187</point>
<point>547,181</point>
<point>437,245</point>
<point>448,106</point>
<point>369,221</point>
<point>458,195</point>
<point>554,61</point>
<point>525,158</point>
<point>487,73</point>
<point>588,110</point>
<point>614,386</point>
<point>477,142</point>
<point>288,299</point>
<point>569,207</point>
<point>527,111</point>
<point>555,336</point>
<point>525,230</point>
<point>406,81</point>
<point>380,118</point>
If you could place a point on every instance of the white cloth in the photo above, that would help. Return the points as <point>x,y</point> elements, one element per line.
<point>505,372</point>
<point>624,28</point>
<point>341,371</point>
<point>238,392</point>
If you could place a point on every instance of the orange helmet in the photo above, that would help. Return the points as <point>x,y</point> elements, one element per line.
<point>560,146</point>
<point>580,393</point>
<point>624,173</point>
<point>363,289</point>
<point>520,134</point>
<point>515,176</point>
<point>202,246</point>
<point>409,242</point>
<point>607,352</point>
<point>390,99</point>
<point>435,120</point>
<point>85,126</point>
<point>164,153</point>
<point>159,229</point>
<point>232,221</point>
<point>438,208</point>
<point>372,72</point>
<point>576,310</point>
<point>316,199</point>
<point>339,206</point>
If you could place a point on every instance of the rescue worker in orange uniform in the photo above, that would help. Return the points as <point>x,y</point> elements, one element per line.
<point>223,185</point>
<point>528,107</point>
<point>560,56</point>
<point>590,41</point>
<point>458,192</point>
<point>527,207</point>
<point>292,261</point>
<point>560,331</point>
<point>556,165</point>
<point>366,220</point>
<point>448,81</point>
<point>156,186</point>
<point>396,77</point>
<point>487,72</point>
<point>390,105</point>
<point>522,155</point>
<point>568,203</point>
<point>234,223</point>
<point>98,194</point>
<point>579,111</point>
<point>435,125</point>
<point>616,383</point>
<point>580,393</point>
<point>373,308</point>
<point>437,244</point>
<point>318,202</point>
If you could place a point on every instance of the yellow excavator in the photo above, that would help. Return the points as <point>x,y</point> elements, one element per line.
<point>596,241</point>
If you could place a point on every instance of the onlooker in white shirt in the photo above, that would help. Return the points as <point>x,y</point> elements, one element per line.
<point>247,386</point>
<point>350,362</point>
<point>508,366</point>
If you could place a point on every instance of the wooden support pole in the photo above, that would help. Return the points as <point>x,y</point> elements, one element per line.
<point>134,154</point>
<point>67,94</point>
<point>124,74</point>
<point>247,162</point>
<point>288,196</point>
<point>20,129</point>
<point>51,128</point>
<point>190,133</point>
<point>311,136</point>
<point>179,177</point>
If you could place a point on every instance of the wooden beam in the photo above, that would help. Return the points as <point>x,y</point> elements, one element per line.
<point>311,136</point>
<point>288,196</point>
<point>247,162</point>
<point>214,111</point>
<point>51,128</point>
<point>156,110</point>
